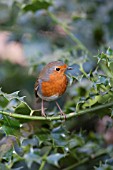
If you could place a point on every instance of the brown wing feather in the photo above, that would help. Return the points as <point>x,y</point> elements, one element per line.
<point>36,88</point>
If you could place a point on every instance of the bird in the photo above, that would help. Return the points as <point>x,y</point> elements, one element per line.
<point>52,83</point>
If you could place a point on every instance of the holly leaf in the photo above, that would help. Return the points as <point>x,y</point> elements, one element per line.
<point>77,140</point>
<point>9,101</point>
<point>18,149</point>
<point>3,101</point>
<point>43,136</point>
<point>12,96</point>
<point>54,158</point>
<point>59,135</point>
<point>109,52</point>
<point>37,5</point>
<point>10,126</point>
<point>32,157</point>
<point>23,108</point>
<point>103,80</point>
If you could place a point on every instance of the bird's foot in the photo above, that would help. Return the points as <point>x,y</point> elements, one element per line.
<point>43,114</point>
<point>63,114</point>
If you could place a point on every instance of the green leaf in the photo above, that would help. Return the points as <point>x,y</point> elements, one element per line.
<point>11,126</point>
<point>32,157</point>
<point>43,135</point>
<point>9,101</point>
<point>12,96</point>
<point>3,101</point>
<point>23,108</point>
<point>33,142</point>
<point>109,52</point>
<point>103,80</point>
<point>18,149</point>
<point>37,5</point>
<point>88,148</point>
<point>54,158</point>
<point>101,57</point>
<point>59,136</point>
<point>75,141</point>
<point>91,102</point>
<point>8,121</point>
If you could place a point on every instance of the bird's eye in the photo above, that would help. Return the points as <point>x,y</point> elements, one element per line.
<point>57,69</point>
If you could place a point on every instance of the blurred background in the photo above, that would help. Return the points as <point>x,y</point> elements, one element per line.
<point>33,33</point>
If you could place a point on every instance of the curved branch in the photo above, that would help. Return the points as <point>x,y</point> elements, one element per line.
<point>49,118</point>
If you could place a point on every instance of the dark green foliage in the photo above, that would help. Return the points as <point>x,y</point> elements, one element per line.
<point>53,143</point>
<point>37,5</point>
<point>57,30</point>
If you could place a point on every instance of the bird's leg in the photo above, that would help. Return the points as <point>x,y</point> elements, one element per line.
<point>42,109</point>
<point>62,113</point>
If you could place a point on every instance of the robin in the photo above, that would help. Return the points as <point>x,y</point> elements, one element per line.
<point>52,83</point>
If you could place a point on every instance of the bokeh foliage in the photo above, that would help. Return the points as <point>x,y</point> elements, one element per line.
<point>79,33</point>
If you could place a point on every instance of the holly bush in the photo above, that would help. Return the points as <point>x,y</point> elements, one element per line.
<point>84,140</point>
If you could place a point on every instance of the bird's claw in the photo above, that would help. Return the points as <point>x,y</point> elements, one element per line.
<point>44,114</point>
<point>64,115</point>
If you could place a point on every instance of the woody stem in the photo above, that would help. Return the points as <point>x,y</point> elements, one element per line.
<point>50,118</point>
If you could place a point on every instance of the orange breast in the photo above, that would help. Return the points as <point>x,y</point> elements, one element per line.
<point>55,86</point>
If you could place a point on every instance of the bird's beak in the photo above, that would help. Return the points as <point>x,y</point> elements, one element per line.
<point>69,68</point>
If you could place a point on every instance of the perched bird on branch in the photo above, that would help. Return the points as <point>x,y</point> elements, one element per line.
<point>52,83</point>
